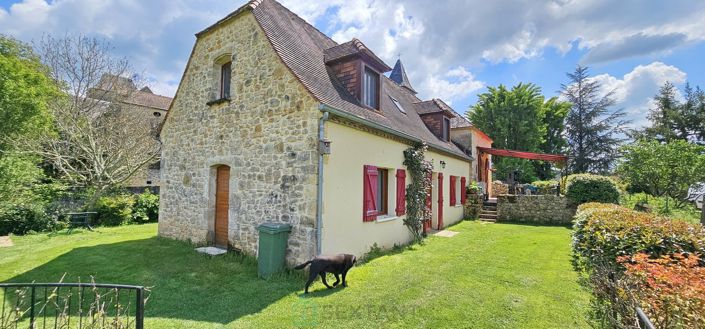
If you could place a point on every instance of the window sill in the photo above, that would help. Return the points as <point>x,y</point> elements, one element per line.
<point>457,206</point>
<point>386,218</point>
<point>218,101</point>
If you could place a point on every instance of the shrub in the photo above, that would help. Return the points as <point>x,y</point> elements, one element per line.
<point>146,208</point>
<point>583,188</point>
<point>115,210</point>
<point>25,218</point>
<point>546,186</point>
<point>473,188</point>
<point>670,289</point>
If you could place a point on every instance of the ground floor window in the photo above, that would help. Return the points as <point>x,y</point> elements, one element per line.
<point>382,191</point>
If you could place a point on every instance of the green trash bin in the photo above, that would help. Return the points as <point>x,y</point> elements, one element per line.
<point>273,238</point>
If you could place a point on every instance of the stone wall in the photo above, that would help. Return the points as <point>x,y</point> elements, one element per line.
<point>266,133</point>
<point>548,209</point>
<point>472,206</point>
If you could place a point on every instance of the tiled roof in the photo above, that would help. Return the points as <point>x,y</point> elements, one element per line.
<point>459,121</point>
<point>350,48</point>
<point>148,99</point>
<point>122,86</point>
<point>302,48</point>
<point>434,106</point>
<point>398,75</point>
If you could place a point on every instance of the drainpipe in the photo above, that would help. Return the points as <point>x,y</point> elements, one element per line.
<point>319,199</point>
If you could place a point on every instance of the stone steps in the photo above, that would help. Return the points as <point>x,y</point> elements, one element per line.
<point>488,215</point>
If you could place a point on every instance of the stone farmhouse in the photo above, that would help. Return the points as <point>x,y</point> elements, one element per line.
<point>273,121</point>
<point>143,105</point>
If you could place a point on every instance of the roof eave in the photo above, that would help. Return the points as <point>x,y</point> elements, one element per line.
<point>327,108</point>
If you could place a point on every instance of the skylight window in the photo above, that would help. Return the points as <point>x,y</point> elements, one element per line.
<point>399,107</point>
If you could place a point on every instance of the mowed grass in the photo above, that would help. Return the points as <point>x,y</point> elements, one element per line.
<point>487,276</point>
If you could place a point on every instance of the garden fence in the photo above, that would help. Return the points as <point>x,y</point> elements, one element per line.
<point>71,305</point>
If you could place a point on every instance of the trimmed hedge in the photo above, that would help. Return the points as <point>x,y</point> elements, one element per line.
<point>670,289</point>
<point>546,186</point>
<point>603,232</point>
<point>619,249</point>
<point>584,188</point>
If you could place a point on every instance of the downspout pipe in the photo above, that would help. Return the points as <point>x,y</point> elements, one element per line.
<point>319,183</point>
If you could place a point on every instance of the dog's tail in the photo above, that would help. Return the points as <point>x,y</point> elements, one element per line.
<point>300,267</point>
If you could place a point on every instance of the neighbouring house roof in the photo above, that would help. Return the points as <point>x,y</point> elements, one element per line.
<point>398,75</point>
<point>303,49</point>
<point>148,99</point>
<point>124,86</point>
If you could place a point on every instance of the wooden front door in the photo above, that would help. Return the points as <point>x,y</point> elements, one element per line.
<point>222,192</point>
<point>427,224</point>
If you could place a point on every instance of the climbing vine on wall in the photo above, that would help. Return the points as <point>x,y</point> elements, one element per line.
<point>420,172</point>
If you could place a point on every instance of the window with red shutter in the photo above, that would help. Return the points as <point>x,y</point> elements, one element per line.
<point>463,191</point>
<point>452,191</point>
<point>369,193</point>
<point>401,192</point>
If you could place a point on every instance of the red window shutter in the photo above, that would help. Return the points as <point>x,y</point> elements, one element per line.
<point>401,192</point>
<point>463,191</point>
<point>452,190</point>
<point>440,189</point>
<point>369,194</point>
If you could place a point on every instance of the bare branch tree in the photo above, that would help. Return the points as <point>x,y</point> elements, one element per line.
<point>100,138</point>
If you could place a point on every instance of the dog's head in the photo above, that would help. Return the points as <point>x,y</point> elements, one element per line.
<point>350,260</point>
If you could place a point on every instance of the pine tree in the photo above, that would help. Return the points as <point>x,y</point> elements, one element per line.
<point>672,119</point>
<point>593,130</point>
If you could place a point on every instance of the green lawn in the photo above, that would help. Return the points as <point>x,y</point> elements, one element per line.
<point>487,276</point>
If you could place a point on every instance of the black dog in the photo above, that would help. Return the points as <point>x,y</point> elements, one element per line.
<point>335,264</point>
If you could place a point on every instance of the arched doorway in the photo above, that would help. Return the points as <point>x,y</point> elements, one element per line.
<point>222,205</point>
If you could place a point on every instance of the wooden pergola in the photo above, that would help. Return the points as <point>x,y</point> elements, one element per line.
<point>525,155</point>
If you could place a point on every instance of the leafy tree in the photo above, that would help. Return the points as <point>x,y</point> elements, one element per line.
<point>99,141</point>
<point>592,129</point>
<point>672,119</point>
<point>25,91</point>
<point>663,169</point>
<point>555,113</point>
<point>519,119</point>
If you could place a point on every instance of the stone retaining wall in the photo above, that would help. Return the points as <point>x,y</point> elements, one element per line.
<point>548,209</point>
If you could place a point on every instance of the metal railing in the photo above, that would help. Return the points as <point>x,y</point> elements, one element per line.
<point>644,322</point>
<point>71,305</point>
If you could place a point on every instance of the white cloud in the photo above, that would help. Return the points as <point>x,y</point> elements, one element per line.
<point>433,38</point>
<point>155,35</point>
<point>455,84</point>
<point>635,90</point>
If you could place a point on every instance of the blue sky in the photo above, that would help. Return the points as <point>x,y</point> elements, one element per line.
<point>452,49</point>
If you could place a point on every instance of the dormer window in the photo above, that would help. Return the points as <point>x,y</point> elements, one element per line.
<point>225,72</point>
<point>446,129</point>
<point>370,88</point>
<point>358,70</point>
